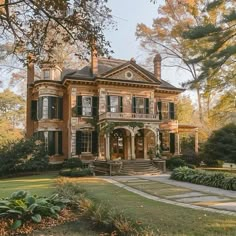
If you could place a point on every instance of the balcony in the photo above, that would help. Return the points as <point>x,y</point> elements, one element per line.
<point>129,116</point>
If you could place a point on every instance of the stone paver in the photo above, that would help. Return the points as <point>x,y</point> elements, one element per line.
<point>191,194</point>
<point>202,199</point>
<point>230,206</point>
<point>168,201</point>
<point>164,178</point>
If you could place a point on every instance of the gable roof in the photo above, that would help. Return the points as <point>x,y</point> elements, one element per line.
<point>108,66</point>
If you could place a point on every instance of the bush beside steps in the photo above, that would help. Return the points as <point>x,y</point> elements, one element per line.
<point>76,172</point>
<point>212,179</point>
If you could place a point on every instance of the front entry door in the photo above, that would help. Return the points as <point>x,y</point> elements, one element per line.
<point>139,146</point>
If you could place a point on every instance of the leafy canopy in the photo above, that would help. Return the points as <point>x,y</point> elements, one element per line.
<point>40,25</point>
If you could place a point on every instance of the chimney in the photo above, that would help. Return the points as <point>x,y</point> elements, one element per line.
<point>94,60</point>
<point>157,66</point>
<point>30,69</point>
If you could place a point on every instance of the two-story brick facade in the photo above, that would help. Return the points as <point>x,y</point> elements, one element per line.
<point>109,109</point>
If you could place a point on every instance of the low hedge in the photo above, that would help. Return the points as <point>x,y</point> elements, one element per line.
<point>212,179</point>
<point>76,172</point>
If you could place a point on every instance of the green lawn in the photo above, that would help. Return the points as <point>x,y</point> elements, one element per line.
<point>169,219</point>
<point>42,185</point>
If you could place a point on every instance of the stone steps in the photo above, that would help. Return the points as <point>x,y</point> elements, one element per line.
<point>138,167</point>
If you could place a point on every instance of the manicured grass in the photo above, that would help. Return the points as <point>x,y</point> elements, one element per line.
<point>42,185</point>
<point>169,219</point>
<point>157,188</point>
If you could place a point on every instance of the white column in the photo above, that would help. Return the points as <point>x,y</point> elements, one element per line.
<point>108,156</point>
<point>133,147</point>
<point>196,140</point>
<point>129,147</point>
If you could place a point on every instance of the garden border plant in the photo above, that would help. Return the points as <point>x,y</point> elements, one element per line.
<point>101,215</point>
<point>202,177</point>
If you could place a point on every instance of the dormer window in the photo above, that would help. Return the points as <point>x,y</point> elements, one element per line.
<point>46,74</point>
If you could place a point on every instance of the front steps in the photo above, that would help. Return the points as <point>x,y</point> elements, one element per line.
<point>139,167</point>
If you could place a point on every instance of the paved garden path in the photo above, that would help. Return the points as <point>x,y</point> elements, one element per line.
<point>197,196</point>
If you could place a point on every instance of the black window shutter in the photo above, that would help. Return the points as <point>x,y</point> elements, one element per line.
<point>60,108</point>
<point>171,111</point>
<point>94,142</point>
<point>95,106</point>
<point>50,110</point>
<point>34,109</point>
<point>146,105</point>
<point>59,142</point>
<point>172,143</point>
<point>40,108</point>
<point>108,103</point>
<point>159,105</point>
<point>134,105</point>
<point>121,104</point>
<point>78,142</point>
<point>51,143</point>
<point>161,140</point>
<point>79,105</point>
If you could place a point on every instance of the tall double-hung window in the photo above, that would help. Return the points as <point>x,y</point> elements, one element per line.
<point>166,110</point>
<point>86,142</point>
<point>140,105</point>
<point>86,106</point>
<point>114,104</point>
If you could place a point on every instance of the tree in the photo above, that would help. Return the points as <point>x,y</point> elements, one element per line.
<point>38,26</point>
<point>185,110</point>
<point>12,108</point>
<point>218,37</point>
<point>165,35</point>
<point>7,133</point>
<point>221,145</point>
<point>224,110</point>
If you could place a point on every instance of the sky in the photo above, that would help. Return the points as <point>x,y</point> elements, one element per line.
<point>127,14</point>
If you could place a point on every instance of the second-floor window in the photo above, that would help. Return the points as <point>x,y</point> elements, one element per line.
<point>114,104</point>
<point>166,110</point>
<point>46,74</point>
<point>50,107</point>
<point>86,106</point>
<point>140,105</point>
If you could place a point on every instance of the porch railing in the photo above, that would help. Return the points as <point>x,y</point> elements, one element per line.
<point>132,116</point>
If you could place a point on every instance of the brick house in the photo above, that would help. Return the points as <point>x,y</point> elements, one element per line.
<point>107,110</point>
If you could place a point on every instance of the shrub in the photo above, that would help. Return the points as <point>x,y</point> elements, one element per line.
<point>221,145</point>
<point>192,158</point>
<point>175,162</point>
<point>72,163</point>
<point>21,206</point>
<point>76,172</point>
<point>23,155</point>
<point>214,163</point>
<point>213,179</point>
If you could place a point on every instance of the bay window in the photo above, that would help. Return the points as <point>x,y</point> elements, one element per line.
<point>50,107</point>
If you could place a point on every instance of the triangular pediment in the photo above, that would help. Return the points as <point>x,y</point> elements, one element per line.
<point>130,72</point>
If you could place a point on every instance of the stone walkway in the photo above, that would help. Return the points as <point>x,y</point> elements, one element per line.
<point>199,197</point>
